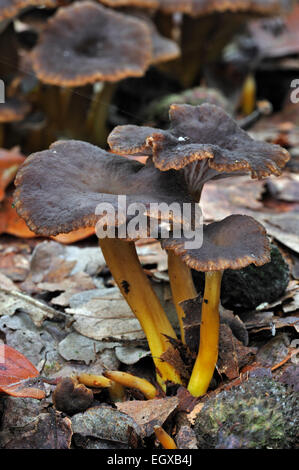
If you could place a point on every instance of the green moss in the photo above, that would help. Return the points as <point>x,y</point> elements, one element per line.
<point>260,413</point>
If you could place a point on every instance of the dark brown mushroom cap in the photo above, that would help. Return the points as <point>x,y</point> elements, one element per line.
<point>58,190</point>
<point>86,42</point>
<point>232,243</point>
<point>131,3</point>
<point>13,110</point>
<point>277,41</point>
<point>10,8</point>
<point>260,7</point>
<point>204,7</point>
<point>164,49</point>
<point>197,133</point>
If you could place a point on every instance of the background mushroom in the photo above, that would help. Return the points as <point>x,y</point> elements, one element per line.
<point>83,176</point>
<point>10,8</point>
<point>233,243</point>
<point>102,47</point>
<point>203,143</point>
<point>12,110</point>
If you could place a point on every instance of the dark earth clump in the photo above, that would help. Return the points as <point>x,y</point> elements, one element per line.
<point>258,414</point>
<point>249,287</point>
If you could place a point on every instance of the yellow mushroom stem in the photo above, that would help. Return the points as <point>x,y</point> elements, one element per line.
<point>205,363</point>
<point>92,380</point>
<point>165,440</point>
<point>117,392</point>
<point>248,97</point>
<point>95,126</point>
<point>129,380</point>
<point>182,286</point>
<point>124,265</point>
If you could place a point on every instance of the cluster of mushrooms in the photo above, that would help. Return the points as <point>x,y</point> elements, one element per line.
<point>66,57</point>
<point>58,191</point>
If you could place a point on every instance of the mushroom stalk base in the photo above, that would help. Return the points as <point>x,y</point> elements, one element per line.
<point>123,262</point>
<point>96,128</point>
<point>205,363</point>
<point>248,98</point>
<point>182,286</point>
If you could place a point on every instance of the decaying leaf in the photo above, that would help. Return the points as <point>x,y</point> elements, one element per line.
<point>11,301</point>
<point>186,438</point>
<point>75,347</point>
<point>285,228</point>
<point>130,355</point>
<point>77,283</point>
<point>25,425</point>
<point>97,312</point>
<point>106,423</point>
<point>232,354</point>
<point>16,374</point>
<point>149,413</point>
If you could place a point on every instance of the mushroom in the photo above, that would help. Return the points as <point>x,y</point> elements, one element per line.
<point>232,243</point>
<point>101,48</point>
<point>10,8</point>
<point>10,160</point>
<point>81,177</point>
<point>13,110</point>
<point>203,142</point>
<point>86,43</point>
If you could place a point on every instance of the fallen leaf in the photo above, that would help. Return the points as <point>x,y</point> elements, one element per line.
<point>192,416</point>
<point>234,195</point>
<point>130,355</point>
<point>15,374</point>
<point>106,423</point>
<point>51,431</point>
<point>7,283</point>
<point>97,312</point>
<point>75,347</point>
<point>14,264</point>
<point>232,354</point>
<point>73,284</point>
<point>186,438</point>
<point>11,301</point>
<point>186,401</point>
<point>149,413</point>
<point>284,227</point>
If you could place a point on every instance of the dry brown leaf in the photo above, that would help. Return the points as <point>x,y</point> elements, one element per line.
<point>149,413</point>
<point>10,301</point>
<point>232,354</point>
<point>77,283</point>
<point>192,416</point>
<point>103,314</point>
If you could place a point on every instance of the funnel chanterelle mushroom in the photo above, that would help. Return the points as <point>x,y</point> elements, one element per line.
<point>10,8</point>
<point>84,193</point>
<point>204,7</point>
<point>233,243</point>
<point>81,177</point>
<point>202,135</point>
<point>86,42</point>
<point>203,142</point>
